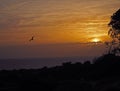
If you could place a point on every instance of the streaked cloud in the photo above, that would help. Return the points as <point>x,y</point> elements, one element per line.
<point>53,19</point>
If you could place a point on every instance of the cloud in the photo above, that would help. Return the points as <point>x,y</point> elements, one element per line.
<point>8,21</point>
<point>38,13</point>
<point>53,15</point>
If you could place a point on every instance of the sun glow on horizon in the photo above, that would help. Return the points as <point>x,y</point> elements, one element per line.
<point>95,40</point>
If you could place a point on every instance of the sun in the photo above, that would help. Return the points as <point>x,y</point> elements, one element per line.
<point>95,40</point>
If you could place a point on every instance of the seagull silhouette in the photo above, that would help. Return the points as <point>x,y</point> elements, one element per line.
<point>31,39</point>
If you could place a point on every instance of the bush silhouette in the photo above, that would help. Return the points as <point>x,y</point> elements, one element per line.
<point>97,76</point>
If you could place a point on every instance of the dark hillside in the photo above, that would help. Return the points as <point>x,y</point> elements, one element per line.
<point>102,75</point>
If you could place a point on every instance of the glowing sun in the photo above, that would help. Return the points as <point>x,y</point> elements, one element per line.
<point>95,40</point>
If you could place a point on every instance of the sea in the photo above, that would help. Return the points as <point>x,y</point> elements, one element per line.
<point>37,63</point>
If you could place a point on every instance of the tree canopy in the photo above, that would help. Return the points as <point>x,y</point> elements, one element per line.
<point>114,33</point>
<point>114,24</point>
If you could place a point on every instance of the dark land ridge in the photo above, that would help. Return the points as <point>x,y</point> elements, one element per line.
<point>101,75</point>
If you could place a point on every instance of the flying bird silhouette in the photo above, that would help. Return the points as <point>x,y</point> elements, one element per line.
<point>31,39</point>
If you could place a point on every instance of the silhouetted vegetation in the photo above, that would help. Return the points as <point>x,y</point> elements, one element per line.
<point>114,32</point>
<point>101,75</point>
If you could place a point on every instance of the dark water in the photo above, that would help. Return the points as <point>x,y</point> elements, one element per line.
<point>9,64</point>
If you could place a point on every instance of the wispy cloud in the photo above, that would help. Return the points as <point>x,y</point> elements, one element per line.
<point>81,17</point>
<point>28,12</point>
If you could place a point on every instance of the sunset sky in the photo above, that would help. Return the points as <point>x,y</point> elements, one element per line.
<point>57,24</point>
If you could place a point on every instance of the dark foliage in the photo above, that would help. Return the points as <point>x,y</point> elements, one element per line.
<point>115,25</point>
<point>102,75</point>
<point>114,33</point>
<point>115,20</point>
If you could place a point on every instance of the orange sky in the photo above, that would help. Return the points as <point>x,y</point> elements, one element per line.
<point>54,21</point>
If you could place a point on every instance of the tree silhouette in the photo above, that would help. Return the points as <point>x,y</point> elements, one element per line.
<point>114,31</point>
<point>114,24</point>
